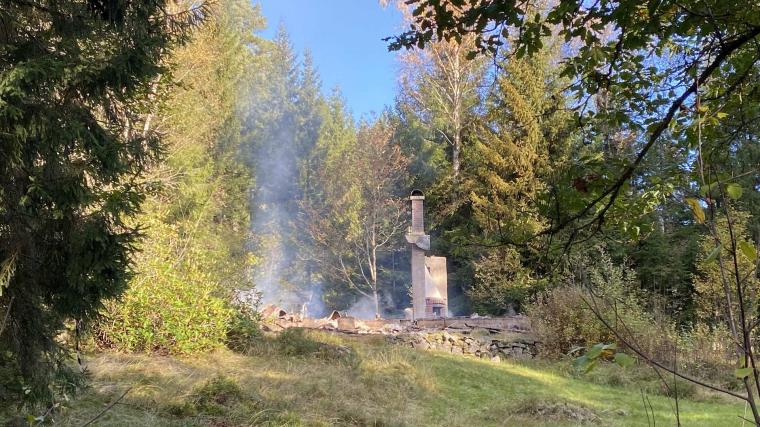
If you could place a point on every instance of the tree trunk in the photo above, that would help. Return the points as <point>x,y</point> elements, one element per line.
<point>377,303</point>
<point>455,155</point>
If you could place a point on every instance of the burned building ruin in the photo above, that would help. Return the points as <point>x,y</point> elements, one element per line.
<point>429,276</point>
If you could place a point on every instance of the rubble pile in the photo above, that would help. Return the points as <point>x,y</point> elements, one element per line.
<point>275,319</point>
<point>485,337</point>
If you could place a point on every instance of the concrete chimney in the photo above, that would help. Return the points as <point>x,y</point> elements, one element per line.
<point>429,281</point>
<point>418,212</point>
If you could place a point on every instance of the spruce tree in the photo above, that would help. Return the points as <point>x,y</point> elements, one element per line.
<point>78,82</point>
<point>517,149</point>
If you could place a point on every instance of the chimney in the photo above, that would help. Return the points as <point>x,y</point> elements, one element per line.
<point>418,221</point>
<point>429,276</point>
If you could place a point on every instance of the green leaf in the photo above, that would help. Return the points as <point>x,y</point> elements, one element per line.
<point>635,232</point>
<point>584,363</point>
<point>707,189</point>
<point>748,249</point>
<point>624,360</point>
<point>721,115</point>
<point>742,372</point>
<point>734,190</point>
<point>713,254</point>
<point>699,213</point>
<point>581,362</point>
<point>595,351</point>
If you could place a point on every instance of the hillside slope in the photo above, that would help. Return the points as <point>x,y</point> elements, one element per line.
<point>314,379</point>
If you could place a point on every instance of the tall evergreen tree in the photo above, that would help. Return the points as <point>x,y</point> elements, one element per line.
<point>78,81</point>
<point>518,149</point>
<point>284,126</point>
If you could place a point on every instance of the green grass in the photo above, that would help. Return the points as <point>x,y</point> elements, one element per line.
<point>378,384</point>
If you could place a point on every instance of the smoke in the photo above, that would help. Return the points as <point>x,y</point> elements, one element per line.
<point>363,309</point>
<point>273,216</point>
<point>314,305</point>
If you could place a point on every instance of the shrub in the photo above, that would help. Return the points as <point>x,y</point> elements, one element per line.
<point>563,318</point>
<point>170,314</point>
<point>502,284</point>
<point>562,321</point>
<point>708,352</point>
<point>243,332</point>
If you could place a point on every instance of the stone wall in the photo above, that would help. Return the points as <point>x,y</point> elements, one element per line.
<point>478,343</point>
<point>506,323</point>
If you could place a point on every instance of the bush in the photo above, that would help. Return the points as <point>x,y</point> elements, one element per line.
<point>502,284</point>
<point>708,352</point>
<point>243,332</point>
<point>167,315</point>
<point>563,319</point>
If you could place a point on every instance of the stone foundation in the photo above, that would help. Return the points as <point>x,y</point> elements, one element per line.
<point>478,343</point>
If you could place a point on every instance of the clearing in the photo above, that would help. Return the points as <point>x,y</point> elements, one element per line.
<point>312,379</point>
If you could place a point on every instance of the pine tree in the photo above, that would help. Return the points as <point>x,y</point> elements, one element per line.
<point>284,127</point>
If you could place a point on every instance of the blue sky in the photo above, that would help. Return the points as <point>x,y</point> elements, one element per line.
<point>344,37</point>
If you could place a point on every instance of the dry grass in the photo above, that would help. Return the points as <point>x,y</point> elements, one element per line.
<point>377,384</point>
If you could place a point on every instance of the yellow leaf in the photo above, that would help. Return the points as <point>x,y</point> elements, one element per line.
<point>748,249</point>
<point>699,213</point>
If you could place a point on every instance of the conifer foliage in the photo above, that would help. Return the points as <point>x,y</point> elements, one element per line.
<point>76,81</point>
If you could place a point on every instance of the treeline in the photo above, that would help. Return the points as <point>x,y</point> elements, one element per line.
<point>497,149</point>
<point>506,160</point>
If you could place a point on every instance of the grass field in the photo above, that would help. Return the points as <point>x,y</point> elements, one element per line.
<point>306,382</point>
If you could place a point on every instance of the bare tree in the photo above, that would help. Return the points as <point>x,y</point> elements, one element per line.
<point>359,214</point>
<point>443,84</point>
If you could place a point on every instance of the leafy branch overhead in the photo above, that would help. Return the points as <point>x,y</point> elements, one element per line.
<point>641,66</point>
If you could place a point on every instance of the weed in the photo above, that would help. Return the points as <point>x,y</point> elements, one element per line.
<point>214,396</point>
<point>556,411</point>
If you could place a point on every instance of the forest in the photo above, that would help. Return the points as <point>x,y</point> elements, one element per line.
<point>167,170</point>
